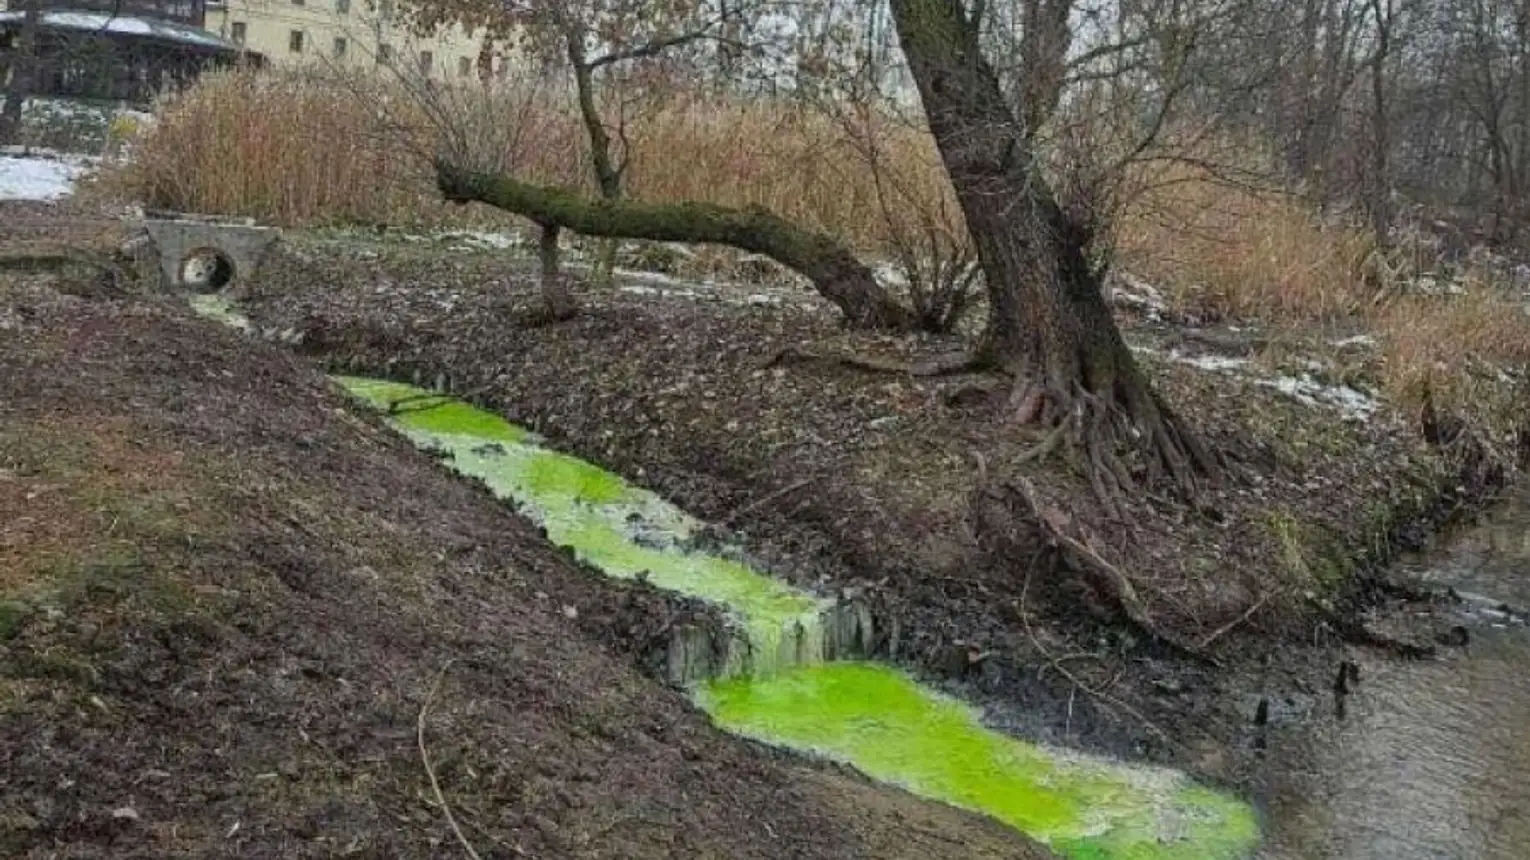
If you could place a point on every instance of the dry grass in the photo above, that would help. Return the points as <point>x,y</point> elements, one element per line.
<point>304,150</point>
<point>1459,348</point>
<point>1226,251</point>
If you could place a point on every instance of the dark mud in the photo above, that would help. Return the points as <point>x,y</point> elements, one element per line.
<point>862,483</point>
<point>227,603</point>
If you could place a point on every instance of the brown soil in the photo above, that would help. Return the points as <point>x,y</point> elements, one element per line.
<point>226,601</point>
<point>846,479</point>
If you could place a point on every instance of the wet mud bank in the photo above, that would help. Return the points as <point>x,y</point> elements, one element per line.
<point>239,618</point>
<point>792,681</point>
<point>861,485</point>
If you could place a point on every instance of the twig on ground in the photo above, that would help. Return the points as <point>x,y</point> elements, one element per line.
<point>430,771</point>
<point>1056,663</point>
<point>944,366</point>
<point>1225,628</point>
<point>767,499</point>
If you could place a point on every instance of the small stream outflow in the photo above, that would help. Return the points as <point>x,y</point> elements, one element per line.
<point>630,533</point>
<point>788,672</point>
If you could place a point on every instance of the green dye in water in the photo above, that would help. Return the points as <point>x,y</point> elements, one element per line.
<point>879,720</point>
<point>597,513</point>
<point>440,413</point>
<point>872,717</point>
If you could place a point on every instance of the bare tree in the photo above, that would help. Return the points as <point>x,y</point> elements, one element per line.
<point>603,45</point>
<point>1048,325</point>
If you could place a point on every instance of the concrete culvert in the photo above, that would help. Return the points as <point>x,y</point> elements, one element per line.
<point>207,270</point>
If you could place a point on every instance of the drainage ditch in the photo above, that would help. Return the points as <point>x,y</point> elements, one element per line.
<point>793,672</point>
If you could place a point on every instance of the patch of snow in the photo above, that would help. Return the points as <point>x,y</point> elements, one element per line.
<point>1128,290</point>
<point>32,177</point>
<point>1221,363</point>
<point>1429,285</point>
<point>646,277</point>
<point>640,290</point>
<point>1354,340</point>
<point>890,275</point>
<point>1353,404</point>
<point>483,239</point>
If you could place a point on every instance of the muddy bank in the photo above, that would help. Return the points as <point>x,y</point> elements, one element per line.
<point>731,403</point>
<point>227,605</point>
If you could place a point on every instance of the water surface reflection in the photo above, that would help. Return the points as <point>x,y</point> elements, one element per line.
<point>1433,760</point>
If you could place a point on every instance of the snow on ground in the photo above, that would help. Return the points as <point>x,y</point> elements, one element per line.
<point>1210,362</point>
<point>38,175</point>
<point>1351,403</point>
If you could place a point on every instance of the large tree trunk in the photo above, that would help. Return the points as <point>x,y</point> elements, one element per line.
<point>834,271</point>
<point>23,72</point>
<point>1048,322</point>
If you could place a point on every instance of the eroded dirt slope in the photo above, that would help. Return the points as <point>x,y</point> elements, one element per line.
<point>225,603</point>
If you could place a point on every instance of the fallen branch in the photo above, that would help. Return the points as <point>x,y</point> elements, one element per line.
<point>833,269</point>
<point>430,771</point>
<point>944,366</point>
<point>1057,664</point>
<point>443,398</point>
<point>1354,631</point>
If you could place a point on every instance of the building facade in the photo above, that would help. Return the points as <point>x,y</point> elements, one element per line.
<point>345,35</point>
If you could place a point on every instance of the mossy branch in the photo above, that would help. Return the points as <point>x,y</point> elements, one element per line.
<point>834,271</point>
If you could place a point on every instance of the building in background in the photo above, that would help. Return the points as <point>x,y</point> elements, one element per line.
<point>345,34</point>
<point>111,50</point>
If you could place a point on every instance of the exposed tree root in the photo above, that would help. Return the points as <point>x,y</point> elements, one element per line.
<point>1108,433</point>
<point>1080,548</point>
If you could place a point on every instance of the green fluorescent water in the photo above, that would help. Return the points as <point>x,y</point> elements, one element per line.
<point>623,530</point>
<point>891,729</point>
<point>872,717</point>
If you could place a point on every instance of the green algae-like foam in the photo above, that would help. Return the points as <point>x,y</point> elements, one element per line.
<point>877,719</point>
<point>621,529</point>
<point>872,717</point>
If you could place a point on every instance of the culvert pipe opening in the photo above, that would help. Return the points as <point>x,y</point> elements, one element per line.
<point>207,270</point>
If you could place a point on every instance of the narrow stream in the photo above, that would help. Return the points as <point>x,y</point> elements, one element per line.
<point>1432,758</point>
<point>779,686</point>
<point>1429,762</point>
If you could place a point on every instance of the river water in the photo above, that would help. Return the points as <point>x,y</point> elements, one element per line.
<point>1433,757</point>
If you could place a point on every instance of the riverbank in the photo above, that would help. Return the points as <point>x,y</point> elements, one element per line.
<point>239,618</point>
<point>734,403</point>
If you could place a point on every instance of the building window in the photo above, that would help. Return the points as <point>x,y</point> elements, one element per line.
<point>340,47</point>
<point>295,41</point>
<point>297,2</point>
<point>464,67</point>
<point>236,32</point>
<point>426,62</point>
<point>343,7</point>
